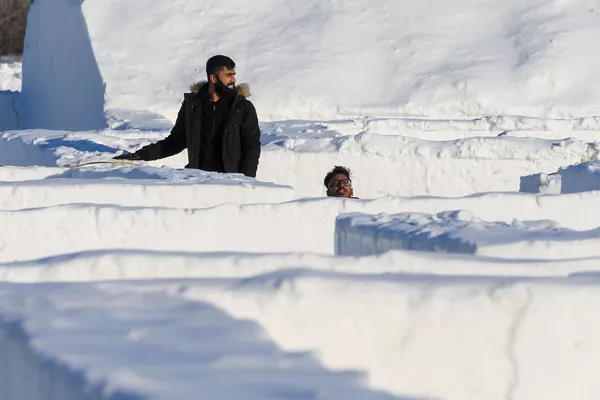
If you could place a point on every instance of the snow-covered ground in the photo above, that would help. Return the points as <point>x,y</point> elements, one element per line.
<point>317,60</point>
<point>150,281</point>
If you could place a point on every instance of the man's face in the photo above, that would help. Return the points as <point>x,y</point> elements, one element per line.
<point>226,76</point>
<point>340,186</point>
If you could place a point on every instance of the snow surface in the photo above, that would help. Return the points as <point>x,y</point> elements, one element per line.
<point>586,128</point>
<point>315,60</point>
<point>136,265</point>
<point>580,177</point>
<point>10,73</point>
<point>149,281</point>
<point>436,337</point>
<point>296,226</point>
<point>62,86</point>
<point>10,84</point>
<point>9,109</point>
<point>510,325</point>
<point>136,223</point>
<point>294,157</point>
<point>541,183</point>
<point>85,323</point>
<point>461,232</point>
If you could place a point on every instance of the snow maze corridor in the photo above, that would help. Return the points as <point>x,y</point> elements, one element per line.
<point>467,269</point>
<point>256,258</point>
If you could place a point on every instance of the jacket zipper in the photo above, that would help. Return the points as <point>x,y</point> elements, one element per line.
<point>213,120</point>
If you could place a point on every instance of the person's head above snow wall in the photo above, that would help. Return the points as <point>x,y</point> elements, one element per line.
<point>338,182</point>
<point>220,71</point>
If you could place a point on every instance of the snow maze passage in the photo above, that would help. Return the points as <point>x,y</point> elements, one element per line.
<point>244,273</point>
<point>468,268</point>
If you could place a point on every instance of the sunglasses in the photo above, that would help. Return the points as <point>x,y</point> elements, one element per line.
<point>339,182</point>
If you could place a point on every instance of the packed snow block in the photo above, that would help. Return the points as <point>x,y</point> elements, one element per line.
<point>136,186</point>
<point>305,225</point>
<point>62,84</point>
<point>461,232</point>
<point>402,166</point>
<point>86,343</point>
<point>311,60</point>
<point>451,338</point>
<point>9,116</point>
<point>582,177</point>
<point>35,147</point>
<point>381,165</point>
<point>19,174</point>
<point>135,265</point>
<point>139,193</point>
<point>27,374</point>
<point>541,183</point>
<point>585,128</point>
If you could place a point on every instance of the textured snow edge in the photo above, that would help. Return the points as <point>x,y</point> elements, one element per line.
<point>9,110</point>
<point>28,374</point>
<point>460,231</point>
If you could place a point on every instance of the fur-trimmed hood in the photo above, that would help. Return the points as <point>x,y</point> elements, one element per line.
<point>243,89</point>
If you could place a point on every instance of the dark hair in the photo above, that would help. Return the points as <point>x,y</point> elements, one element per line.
<point>336,170</point>
<point>216,63</point>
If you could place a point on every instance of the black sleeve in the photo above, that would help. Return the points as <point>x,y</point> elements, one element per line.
<point>250,138</point>
<point>171,145</point>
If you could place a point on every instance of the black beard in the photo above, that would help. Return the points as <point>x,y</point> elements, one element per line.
<point>223,91</point>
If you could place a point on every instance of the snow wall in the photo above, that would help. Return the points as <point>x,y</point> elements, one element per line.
<point>359,234</point>
<point>382,165</point>
<point>297,226</point>
<point>572,179</point>
<point>8,110</point>
<point>96,342</point>
<point>314,59</point>
<point>62,86</point>
<point>435,337</point>
<point>27,374</point>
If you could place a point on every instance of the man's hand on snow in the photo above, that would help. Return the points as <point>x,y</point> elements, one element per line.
<point>128,156</point>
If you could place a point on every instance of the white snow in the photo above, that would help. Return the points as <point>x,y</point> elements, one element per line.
<point>62,86</point>
<point>10,84</point>
<point>576,178</point>
<point>296,226</point>
<point>84,324</point>
<point>201,190</point>
<point>150,281</point>
<point>433,336</point>
<point>10,73</point>
<point>138,265</point>
<point>541,183</point>
<point>586,128</point>
<point>397,165</point>
<point>316,60</point>
<point>8,110</point>
<point>295,158</point>
<point>461,232</point>
<point>17,174</point>
<point>581,177</point>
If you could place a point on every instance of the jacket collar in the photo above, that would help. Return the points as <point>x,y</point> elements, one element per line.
<point>243,89</point>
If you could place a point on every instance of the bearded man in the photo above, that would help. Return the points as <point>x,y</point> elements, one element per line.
<point>216,123</point>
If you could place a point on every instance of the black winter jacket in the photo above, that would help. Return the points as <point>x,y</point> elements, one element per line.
<point>241,135</point>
